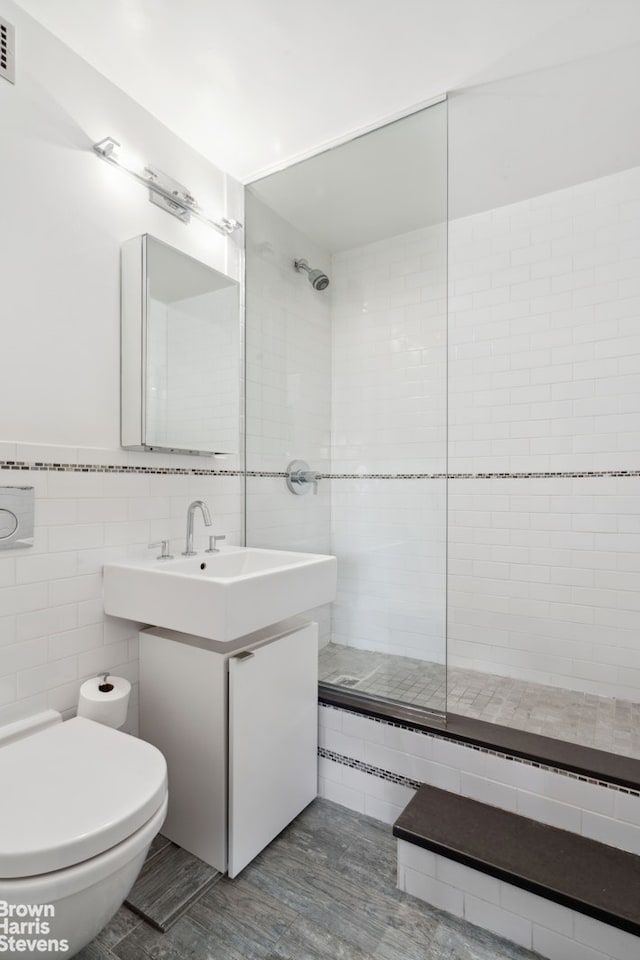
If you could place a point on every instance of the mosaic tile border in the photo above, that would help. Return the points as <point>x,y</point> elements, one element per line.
<point>40,465</point>
<point>368,768</point>
<point>516,475</point>
<point>348,761</point>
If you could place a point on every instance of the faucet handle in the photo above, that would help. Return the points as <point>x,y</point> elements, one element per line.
<point>164,545</point>
<point>212,544</point>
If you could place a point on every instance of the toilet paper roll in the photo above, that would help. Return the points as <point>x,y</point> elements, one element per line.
<point>108,707</point>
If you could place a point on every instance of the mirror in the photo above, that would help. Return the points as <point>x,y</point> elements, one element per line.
<point>180,352</point>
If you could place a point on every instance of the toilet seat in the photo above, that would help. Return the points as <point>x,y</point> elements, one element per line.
<point>71,792</point>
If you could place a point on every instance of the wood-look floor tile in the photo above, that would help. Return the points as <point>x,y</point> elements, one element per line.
<point>460,941</point>
<point>371,862</point>
<point>241,915</point>
<point>186,939</point>
<point>296,902</point>
<point>119,927</point>
<point>410,937</point>
<point>158,843</point>
<point>345,909</point>
<point>306,940</point>
<point>94,951</point>
<point>168,884</point>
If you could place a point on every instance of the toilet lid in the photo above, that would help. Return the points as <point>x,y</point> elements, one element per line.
<point>72,791</point>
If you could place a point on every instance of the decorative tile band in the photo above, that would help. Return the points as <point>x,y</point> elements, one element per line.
<point>518,475</point>
<point>349,761</point>
<point>39,465</point>
<point>368,768</point>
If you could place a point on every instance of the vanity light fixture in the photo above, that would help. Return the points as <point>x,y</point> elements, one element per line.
<point>164,191</point>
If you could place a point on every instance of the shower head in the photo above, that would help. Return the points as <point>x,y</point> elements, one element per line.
<point>317,279</point>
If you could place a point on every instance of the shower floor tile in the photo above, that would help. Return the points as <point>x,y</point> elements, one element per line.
<point>599,722</point>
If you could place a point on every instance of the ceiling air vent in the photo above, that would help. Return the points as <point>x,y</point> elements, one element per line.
<point>7,51</point>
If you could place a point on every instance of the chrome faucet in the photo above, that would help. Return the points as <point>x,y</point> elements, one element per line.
<point>190,552</point>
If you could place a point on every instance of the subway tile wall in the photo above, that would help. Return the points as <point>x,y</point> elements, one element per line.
<point>543,580</point>
<point>544,370</point>
<point>390,539</point>
<point>53,630</point>
<point>59,390</point>
<point>288,380</point>
<point>544,347</point>
<point>389,416</point>
<point>550,929</point>
<point>389,355</point>
<point>544,377</point>
<point>607,814</point>
<point>288,352</point>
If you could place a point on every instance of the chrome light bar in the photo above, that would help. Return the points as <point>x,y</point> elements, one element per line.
<point>164,191</point>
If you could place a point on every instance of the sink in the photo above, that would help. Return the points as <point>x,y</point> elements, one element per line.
<point>220,596</point>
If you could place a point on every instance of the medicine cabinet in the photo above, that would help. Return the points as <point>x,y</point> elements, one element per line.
<point>180,362</point>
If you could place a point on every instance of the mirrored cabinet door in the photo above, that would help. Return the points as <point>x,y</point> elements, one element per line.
<point>180,352</point>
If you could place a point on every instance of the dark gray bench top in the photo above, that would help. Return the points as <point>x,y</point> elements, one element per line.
<point>582,874</point>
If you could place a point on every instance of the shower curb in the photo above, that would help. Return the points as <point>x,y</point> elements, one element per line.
<point>598,767</point>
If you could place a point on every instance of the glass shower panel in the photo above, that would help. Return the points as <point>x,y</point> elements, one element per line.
<point>352,378</point>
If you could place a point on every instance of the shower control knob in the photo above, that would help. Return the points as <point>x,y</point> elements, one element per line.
<point>300,478</point>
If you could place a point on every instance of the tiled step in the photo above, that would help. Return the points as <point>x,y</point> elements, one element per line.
<point>576,872</point>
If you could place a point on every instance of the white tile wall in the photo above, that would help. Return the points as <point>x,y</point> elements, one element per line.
<point>533,922</point>
<point>544,351</point>
<point>543,581</point>
<point>60,384</point>
<point>53,630</point>
<point>594,811</point>
<point>389,416</point>
<point>389,537</point>
<point>288,388</point>
<point>389,355</point>
<point>288,346</point>
<point>353,380</point>
<point>544,374</point>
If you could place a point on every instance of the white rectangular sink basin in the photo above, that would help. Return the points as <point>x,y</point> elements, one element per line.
<point>220,596</point>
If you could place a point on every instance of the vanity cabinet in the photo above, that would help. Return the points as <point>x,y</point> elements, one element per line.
<point>237,723</point>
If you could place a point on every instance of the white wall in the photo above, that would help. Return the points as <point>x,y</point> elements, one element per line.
<point>64,215</point>
<point>544,377</point>
<point>288,371</point>
<point>389,417</point>
<point>353,380</point>
<point>539,125</point>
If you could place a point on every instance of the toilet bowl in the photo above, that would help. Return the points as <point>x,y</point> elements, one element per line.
<point>80,804</point>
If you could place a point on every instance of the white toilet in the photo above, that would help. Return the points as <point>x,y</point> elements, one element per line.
<point>80,804</point>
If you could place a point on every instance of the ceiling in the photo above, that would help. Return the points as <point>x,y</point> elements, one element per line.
<point>387,183</point>
<point>255,84</point>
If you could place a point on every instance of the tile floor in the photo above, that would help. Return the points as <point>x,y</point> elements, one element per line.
<point>325,889</point>
<point>600,722</point>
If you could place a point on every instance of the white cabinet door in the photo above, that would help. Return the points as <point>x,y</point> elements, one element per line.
<point>273,741</point>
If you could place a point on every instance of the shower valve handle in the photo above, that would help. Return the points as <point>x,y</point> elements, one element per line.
<point>309,476</point>
<point>300,477</point>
